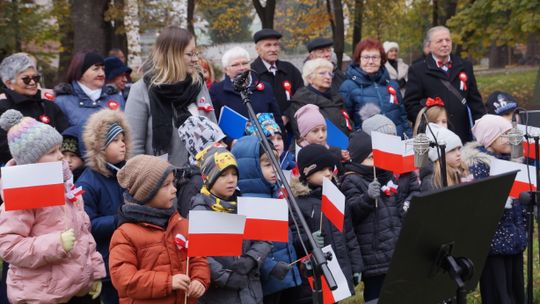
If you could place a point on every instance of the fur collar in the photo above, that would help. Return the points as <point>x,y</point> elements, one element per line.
<point>471,155</point>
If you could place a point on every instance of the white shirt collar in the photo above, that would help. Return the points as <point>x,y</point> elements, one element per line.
<point>437,60</point>
<point>268,65</point>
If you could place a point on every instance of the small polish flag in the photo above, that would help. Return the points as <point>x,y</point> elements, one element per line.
<point>391,153</point>
<point>181,242</point>
<point>390,188</point>
<point>521,183</point>
<point>333,204</point>
<point>212,233</point>
<point>267,219</point>
<point>528,146</point>
<point>33,186</point>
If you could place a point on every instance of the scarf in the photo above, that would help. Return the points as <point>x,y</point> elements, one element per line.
<point>92,94</point>
<point>135,213</point>
<point>383,176</point>
<point>393,63</point>
<point>219,204</point>
<point>167,100</point>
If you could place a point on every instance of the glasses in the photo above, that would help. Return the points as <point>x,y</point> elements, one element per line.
<point>194,54</point>
<point>28,79</point>
<point>326,74</point>
<point>239,64</point>
<point>370,58</point>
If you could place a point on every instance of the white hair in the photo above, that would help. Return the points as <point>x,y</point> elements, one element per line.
<point>15,64</point>
<point>232,54</point>
<point>435,29</point>
<point>311,66</point>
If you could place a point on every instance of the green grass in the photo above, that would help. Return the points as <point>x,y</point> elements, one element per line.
<point>518,83</point>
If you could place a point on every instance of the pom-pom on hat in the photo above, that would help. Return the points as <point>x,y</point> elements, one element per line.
<point>28,139</point>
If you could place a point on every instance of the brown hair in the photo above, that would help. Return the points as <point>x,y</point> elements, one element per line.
<point>369,44</point>
<point>74,72</point>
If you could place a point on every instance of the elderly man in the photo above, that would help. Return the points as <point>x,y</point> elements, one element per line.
<point>447,76</point>
<point>322,48</point>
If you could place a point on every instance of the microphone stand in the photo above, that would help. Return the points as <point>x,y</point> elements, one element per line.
<point>441,151</point>
<point>533,201</point>
<point>318,258</point>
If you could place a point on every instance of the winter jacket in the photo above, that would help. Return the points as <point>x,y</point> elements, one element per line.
<point>511,235</point>
<point>361,89</point>
<point>144,257</point>
<point>262,99</point>
<point>139,118</point>
<point>287,161</point>
<point>377,228</point>
<point>399,75</point>
<point>40,270</point>
<point>188,184</point>
<point>425,81</point>
<point>331,108</point>
<point>32,106</point>
<point>77,106</point>
<point>426,178</point>
<point>344,243</point>
<point>252,184</point>
<point>224,285</point>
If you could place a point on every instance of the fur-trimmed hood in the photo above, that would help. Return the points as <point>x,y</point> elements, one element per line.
<point>95,134</point>
<point>298,188</point>
<point>472,154</point>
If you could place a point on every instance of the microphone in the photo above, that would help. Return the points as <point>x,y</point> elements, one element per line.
<point>421,149</point>
<point>242,81</point>
<point>515,137</point>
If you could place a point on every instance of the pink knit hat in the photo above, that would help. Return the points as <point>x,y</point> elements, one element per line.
<point>307,118</point>
<point>488,128</point>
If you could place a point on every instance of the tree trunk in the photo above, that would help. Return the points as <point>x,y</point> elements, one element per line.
<point>339,34</point>
<point>536,93</point>
<point>65,26</point>
<point>532,54</point>
<point>498,56</point>
<point>357,27</point>
<point>266,13</point>
<point>435,13</point>
<point>113,38</point>
<point>16,26</point>
<point>451,7</point>
<point>190,12</point>
<point>89,28</point>
<point>131,23</point>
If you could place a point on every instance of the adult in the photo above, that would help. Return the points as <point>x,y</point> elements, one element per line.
<point>21,79</point>
<point>397,69</point>
<point>425,51</point>
<point>84,92</point>
<point>318,77</point>
<point>284,77</point>
<point>208,72</point>
<point>170,91</point>
<point>236,61</point>
<point>117,75</point>
<point>447,76</point>
<point>369,90</point>
<point>322,48</point>
<point>118,53</point>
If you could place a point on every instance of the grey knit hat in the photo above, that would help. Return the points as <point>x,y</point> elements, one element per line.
<point>28,139</point>
<point>197,132</point>
<point>379,123</point>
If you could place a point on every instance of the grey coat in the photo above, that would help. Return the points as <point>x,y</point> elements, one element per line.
<point>140,120</point>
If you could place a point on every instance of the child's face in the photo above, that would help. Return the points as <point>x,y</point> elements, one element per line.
<point>116,150</point>
<point>226,183</point>
<point>268,171</point>
<point>317,135</point>
<point>453,158</point>
<point>165,196</point>
<point>368,161</point>
<point>74,161</point>
<point>501,145</point>
<point>277,140</point>
<point>316,178</point>
<point>442,120</point>
<point>52,155</point>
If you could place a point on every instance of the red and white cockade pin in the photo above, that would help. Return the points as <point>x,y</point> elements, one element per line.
<point>259,86</point>
<point>113,105</point>
<point>48,96</point>
<point>463,81</point>
<point>390,188</point>
<point>288,88</point>
<point>45,119</point>
<point>393,94</point>
<point>181,242</point>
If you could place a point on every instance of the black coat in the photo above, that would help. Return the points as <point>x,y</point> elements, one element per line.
<point>189,184</point>
<point>377,229</point>
<point>285,72</point>
<point>337,80</point>
<point>32,106</point>
<point>425,81</point>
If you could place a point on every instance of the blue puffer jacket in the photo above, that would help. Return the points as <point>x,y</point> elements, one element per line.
<point>361,89</point>
<point>252,183</point>
<point>77,106</point>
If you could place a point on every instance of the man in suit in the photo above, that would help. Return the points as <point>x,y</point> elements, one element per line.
<point>322,48</point>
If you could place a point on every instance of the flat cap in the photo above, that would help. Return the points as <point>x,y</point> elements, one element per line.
<point>319,43</point>
<point>265,34</point>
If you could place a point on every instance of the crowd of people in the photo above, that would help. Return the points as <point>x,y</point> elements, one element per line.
<point>147,152</point>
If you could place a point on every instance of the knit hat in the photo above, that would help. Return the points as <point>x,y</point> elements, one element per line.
<point>379,123</point>
<point>90,59</point>
<point>268,124</point>
<point>359,146</point>
<point>444,136</point>
<point>197,132</point>
<point>212,161</point>
<point>114,130</point>
<point>388,45</point>
<point>28,139</point>
<point>142,176</point>
<point>501,103</point>
<point>313,158</point>
<point>72,141</point>
<point>488,128</point>
<point>307,118</point>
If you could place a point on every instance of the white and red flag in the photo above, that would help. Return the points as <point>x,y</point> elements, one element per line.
<point>391,153</point>
<point>267,219</point>
<point>33,186</point>
<point>212,233</point>
<point>333,204</point>
<point>521,183</point>
<point>528,145</point>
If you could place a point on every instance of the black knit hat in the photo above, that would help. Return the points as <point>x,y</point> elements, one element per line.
<point>501,103</point>
<point>359,146</point>
<point>90,59</point>
<point>313,158</point>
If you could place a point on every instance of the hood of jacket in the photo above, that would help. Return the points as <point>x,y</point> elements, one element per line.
<point>360,77</point>
<point>95,135</point>
<point>474,153</point>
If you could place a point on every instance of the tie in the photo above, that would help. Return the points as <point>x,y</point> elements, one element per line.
<point>445,66</point>
<point>273,69</point>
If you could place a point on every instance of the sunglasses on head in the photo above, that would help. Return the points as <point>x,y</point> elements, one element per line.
<point>28,79</point>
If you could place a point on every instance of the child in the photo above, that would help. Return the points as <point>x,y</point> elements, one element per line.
<point>258,179</point>
<point>502,277</point>
<point>72,150</point>
<point>379,123</point>
<point>431,175</point>
<point>51,253</point>
<point>145,264</point>
<point>502,104</point>
<point>234,279</point>
<point>435,112</point>
<point>106,138</point>
<point>315,162</point>
<point>376,211</point>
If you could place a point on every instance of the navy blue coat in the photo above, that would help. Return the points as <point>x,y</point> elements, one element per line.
<point>252,183</point>
<point>360,89</point>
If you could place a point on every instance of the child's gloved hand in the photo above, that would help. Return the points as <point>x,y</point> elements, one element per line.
<point>95,290</point>
<point>280,270</point>
<point>319,239</point>
<point>68,239</point>
<point>374,189</point>
<point>357,277</point>
<point>243,265</point>
<point>196,289</point>
<point>180,281</point>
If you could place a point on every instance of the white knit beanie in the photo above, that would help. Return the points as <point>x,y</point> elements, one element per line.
<point>388,45</point>
<point>444,136</point>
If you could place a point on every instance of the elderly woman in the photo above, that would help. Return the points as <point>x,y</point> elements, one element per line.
<point>318,75</point>
<point>21,79</point>
<point>368,89</point>
<point>236,61</point>
<point>84,92</point>
<point>397,69</point>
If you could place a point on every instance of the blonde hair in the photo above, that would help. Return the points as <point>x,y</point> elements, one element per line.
<point>432,114</point>
<point>166,62</point>
<point>453,175</point>
<point>313,65</point>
